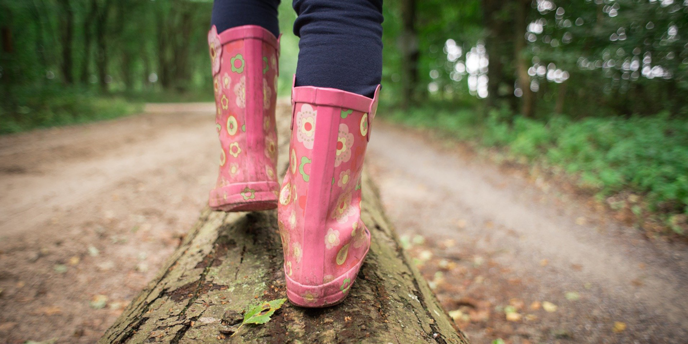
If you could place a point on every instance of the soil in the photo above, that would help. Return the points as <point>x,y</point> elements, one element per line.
<point>90,213</point>
<point>496,243</point>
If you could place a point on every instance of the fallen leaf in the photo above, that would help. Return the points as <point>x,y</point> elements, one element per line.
<point>535,305</point>
<point>50,310</point>
<point>619,327</point>
<point>572,296</point>
<point>74,260</point>
<point>513,316</point>
<point>517,303</point>
<point>60,268</point>
<point>105,266</point>
<point>456,314</point>
<point>93,251</point>
<point>498,341</point>
<point>544,262</point>
<point>260,314</point>
<point>99,301</point>
<point>549,307</point>
<point>418,240</point>
<point>531,317</point>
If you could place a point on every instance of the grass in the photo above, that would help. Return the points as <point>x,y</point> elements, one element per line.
<point>27,109</point>
<point>644,156</point>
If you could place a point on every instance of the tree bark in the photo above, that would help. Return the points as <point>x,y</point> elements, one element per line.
<point>67,39</point>
<point>88,24</point>
<point>408,44</point>
<point>521,23</point>
<point>101,43</point>
<point>230,261</point>
<point>498,22</point>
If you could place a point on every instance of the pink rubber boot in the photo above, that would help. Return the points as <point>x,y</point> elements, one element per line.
<point>323,237</point>
<point>244,61</point>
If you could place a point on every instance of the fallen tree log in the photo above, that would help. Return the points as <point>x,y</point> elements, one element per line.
<point>229,262</point>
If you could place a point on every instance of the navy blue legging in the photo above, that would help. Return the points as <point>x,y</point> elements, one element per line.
<point>341,40</point>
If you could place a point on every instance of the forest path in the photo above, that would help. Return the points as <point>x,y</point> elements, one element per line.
<point>89,214</point>
<point>516,241</point>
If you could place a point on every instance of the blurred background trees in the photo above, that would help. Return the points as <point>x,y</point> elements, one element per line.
<point>531,75</point>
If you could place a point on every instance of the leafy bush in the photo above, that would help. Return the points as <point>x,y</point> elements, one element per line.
<point>644,155</point>
<point>49,107</point>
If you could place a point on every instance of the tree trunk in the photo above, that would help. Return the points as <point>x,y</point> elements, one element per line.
<point>230,261</point>
<point>88,24</point>
<point>408,44</point>
<point>67,38</point>
<point>101,43</point>
<point>521,23</point>
<point>561,96</point>
<point>499,47</point>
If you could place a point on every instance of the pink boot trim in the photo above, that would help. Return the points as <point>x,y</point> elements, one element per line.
<point>323,237</point>
<point>244,62</point>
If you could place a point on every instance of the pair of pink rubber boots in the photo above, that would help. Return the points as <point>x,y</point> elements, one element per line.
<point>319,203</point>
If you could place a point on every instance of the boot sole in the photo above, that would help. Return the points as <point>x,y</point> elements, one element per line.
<point>255,196</point>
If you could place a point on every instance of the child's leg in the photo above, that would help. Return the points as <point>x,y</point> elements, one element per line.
<point>233,13</point>
<point>341,44</point>
<point>319,211</point>
<point>244,51</point>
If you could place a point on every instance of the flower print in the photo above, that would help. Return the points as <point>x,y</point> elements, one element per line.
<point>309,297</point>
<point>273,62</point>
<point>267,94</point>
<point>296,251</point>
<point>342,254</point>
<point>217,85</point>
<point>288,269</point>
<point>270,173</point>
<point>305,121</point>
<point>343,209</point>
<point>233,169</point>
<point>344,178</point>
<point>226,81</point>
<point>240,92</point>
<point>364,125</point>
<point>331,238</point>
<point>219,128</point>
<point>346,284</point>
<point>232,125</point>
<point>248,193</point>
<point>292,161</point>
<point>345,140</point>
<point>285,194</point>
<point>292,218</point>
<point>215,49</point>
<point>223,158</point>
<point>237,62</point>
<point>358,235</point>
<point>234,149</point>
<point>266,67</point>
<point>270,147</point>
<point>224,102</point>
<point>266,123</point>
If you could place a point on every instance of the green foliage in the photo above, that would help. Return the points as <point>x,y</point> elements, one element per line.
<point>48,107</point>
<point>260,314</point>
<point>646,155</point>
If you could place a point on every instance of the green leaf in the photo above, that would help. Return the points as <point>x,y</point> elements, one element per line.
<point>260,314</point>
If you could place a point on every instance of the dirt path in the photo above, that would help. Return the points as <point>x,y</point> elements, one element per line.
<point>88,214</point>
<point>515,242</point>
